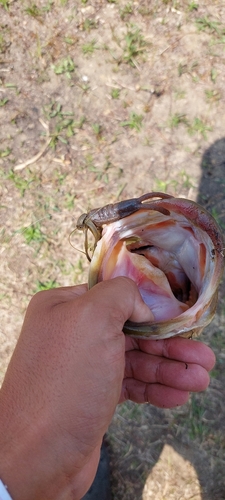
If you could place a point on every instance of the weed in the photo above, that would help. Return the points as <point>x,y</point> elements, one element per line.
<point>212,95</point>
<point>97,129</point>
<point>20,183</point>
<point>126,11</point>
<point>5,152</point>
<point>115,93</point>
<point>176,119</point>
<point>198,126</point>
<point>213,75</point>
<point>89,24</point>
<point>89,47</point>
<point>204,23</point>
<point>135,44</point>
<point>179,94</point>
<point>33,233</point>
<point>33,11</point>
<point>5,4</point>
<point>64,126</point>
<point>48,6</point>
<point>134,122</point>
<point>185,179</point>
<point>192,6</point>
<point>182,68</point>
<point>69,201</point>
<point>66,66</point>
<point>70,40</point>
<point>161,185</point>
<point>47,285</point>
<point>3,102</point>
<point>197,427</point>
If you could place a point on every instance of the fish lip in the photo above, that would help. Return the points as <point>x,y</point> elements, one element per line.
<point>198,218</point>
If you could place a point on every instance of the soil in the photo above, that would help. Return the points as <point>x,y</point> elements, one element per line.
<point>102,101</point>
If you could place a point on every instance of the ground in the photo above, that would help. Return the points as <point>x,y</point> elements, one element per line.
<point>102,101</point>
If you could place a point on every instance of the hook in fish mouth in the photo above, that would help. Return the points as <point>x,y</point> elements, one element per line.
<point>174,252</point>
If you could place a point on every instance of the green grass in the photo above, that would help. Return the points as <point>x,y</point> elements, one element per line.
<point>192,6</point>
<point>177,119</point>
<point>135,44</point>
<point>213,75</point>
<point>21,183</point>
<point>197,427</point>
<point>115,93</point>
<point>5,4</point>
<point>97,129</point>
<point>198,126</point>
<point>5,152</point>
<point>89,47</point>
<point>134,122</point>
<point>212,95</point>
<point>89,24</point>
<point>64,66</point>
<point>33,234</point>
<point>204,23</point>
<point>47,285</point>
<point>126,11</point>
<point>33,11</point>
<point>64,123</point>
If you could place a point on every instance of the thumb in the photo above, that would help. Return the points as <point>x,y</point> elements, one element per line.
<point>121,294</point>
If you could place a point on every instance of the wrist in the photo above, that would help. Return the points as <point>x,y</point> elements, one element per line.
<point>31,460</point>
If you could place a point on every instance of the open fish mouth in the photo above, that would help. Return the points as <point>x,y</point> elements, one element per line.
<point>174,253</point>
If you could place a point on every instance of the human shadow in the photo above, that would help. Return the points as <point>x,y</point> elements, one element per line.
<point>197,431</point>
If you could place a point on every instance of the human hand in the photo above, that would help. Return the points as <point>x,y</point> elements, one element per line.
<point>64,382</point>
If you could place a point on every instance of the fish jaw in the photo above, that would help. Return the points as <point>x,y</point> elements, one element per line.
<point>175,259</point>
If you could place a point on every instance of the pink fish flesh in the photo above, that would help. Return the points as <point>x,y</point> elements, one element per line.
<point>174,252</point>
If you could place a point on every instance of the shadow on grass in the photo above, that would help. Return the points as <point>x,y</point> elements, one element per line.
<point>195,431</point>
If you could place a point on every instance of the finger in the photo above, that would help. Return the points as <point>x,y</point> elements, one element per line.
<point>156,394</point>
<point>189,351</point>
<point>154,369</point>
<point>122,297</point>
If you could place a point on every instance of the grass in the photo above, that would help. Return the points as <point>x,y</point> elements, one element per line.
<point>134,122</point>
<point>20,182</point>
<point>5,4</point>
<point>197,426</point>
<point>204,23</point>
<point>33,234</point>
<point>127,10</point>
<point>47,285</point>
<point>115,93</point>
<point>89,47</point>
<point>212,95</point>
<point>89,24</point>
<point>64,66</point>
<point>135,44</point>
<point>198,126</point>
<point>64,123</point>
<point>33,11</point>
<point>177,119</point>
<point>193,6</point>
<point>5,152</point>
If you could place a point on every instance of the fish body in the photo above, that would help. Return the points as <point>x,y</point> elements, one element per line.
<point>174,252</point>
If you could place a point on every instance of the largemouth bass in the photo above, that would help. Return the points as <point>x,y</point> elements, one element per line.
<point>173,249</point>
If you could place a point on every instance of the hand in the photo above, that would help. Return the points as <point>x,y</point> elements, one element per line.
<point>66,377</point>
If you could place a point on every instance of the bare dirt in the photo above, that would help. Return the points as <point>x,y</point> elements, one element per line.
<point>115,99</point>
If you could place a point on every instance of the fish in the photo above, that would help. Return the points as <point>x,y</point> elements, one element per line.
<point>173,249</point>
